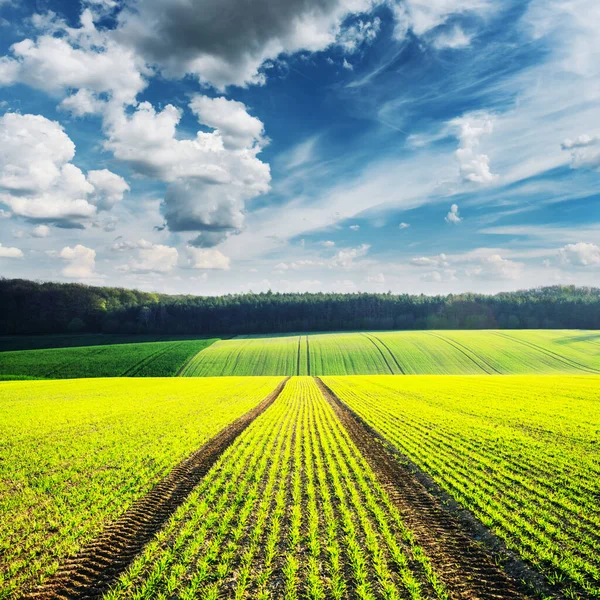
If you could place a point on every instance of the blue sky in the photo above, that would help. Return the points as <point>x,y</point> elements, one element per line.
<point>315,145</point>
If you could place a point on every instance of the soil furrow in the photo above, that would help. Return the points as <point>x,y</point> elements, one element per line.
<point>97,565</point>
<point>454,548</point>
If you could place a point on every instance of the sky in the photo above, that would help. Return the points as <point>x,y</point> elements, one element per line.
<point>224,146</point>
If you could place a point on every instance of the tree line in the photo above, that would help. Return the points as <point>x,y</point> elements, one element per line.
<point>28,307</point>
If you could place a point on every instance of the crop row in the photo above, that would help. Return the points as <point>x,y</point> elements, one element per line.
<point>291,510</point>
<point>523,453</point>
<point>100,445</point>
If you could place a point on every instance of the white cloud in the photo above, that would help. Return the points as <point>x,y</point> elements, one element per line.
<point>328,244</point>
<point>585,153</point>
<point>354,227</point>
<point>403,226</point>
<point>348,66</point>
<point>210,258</point>
<point>580,255</point>
<point>7,252</point>
<point>581,141</point>
<point>453,215</point>
<point>474,166</point>
<point>230,120</point>
<point>81,261</point>
<point>211,176</point>
<point>37,179</point>
<point>352,38</point>
<point>445,275</point>
<point>454,38</point>
<point>41,231</point>
<point>81,103</point>
<point>430,261</point>
<point>496,267</point>
<point>345,258</point>
<point>149,258</point>
<point>219,43</point>
<point>80,58</point>
<point>423,17</point>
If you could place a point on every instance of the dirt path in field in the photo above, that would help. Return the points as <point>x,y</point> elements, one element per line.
<point>453,546</point>
<point>90,573</point>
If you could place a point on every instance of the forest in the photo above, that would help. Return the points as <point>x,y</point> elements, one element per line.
<point>28,307</point>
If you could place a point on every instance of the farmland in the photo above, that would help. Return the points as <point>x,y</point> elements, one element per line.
<point>522,453</point>
<point>143,359</point>
<point>403,352</point>
<point>100,445</point>
<point>291,510</point>
<point>326,485</point>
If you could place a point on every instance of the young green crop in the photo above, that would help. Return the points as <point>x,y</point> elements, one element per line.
<point>521,452</point>
<point>403,352</point>
<point>145,359</point>
<point>291,510</point>
<point>74,455</point>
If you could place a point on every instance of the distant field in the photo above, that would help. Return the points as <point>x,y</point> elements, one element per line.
<point>100,445</point>
<point>141,359</point>
<point>522,453</point>
<point>403,352</point>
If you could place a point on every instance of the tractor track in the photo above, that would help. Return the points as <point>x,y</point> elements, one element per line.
<point>461,550</point>
<point>90,573</point>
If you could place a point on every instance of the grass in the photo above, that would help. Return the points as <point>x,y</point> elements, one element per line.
<point>291,511</point>
<point>521,452</point>
<point>144,359</point>
<point>74,455</point>
<point>405,352</point>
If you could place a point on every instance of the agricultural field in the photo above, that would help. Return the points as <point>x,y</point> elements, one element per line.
<point>403,352</point>
<point>75,454</point>
<point>521,452</point>
<point>142,359</point>
<point>292,510</point>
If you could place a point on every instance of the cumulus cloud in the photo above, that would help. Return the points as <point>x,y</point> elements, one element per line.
<point>230,120</point>
<point>38,180</point>
<point>7,252</point>
<point>211,176</point>
<point>328,244</point>
<point>580,255</point>
<point>403,226</point>
<point>585,151</point>
<point>496,267</point>
<point>454,38</point>
<point>354,227</point>
<point>221,44</point>
<point>84,58</point>
<point>430,261</point>
<point>473,166</point>
<point>148,257</point>
<point>444,275</point>
<point>453,215</point>
<point>427,17</point>
<point>41,231</point>
<point>211,258</point>
<point>81,261</point>
<point>355,36</point>
<point>345,257</point>
<point>109,188</point>
<point>81,103</point>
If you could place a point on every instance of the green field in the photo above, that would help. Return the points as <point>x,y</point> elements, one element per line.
<point>522,453</point>
<point>75,454</point>
<point>293,508</point>
<point>141,359</point>
<point>403,352</point>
